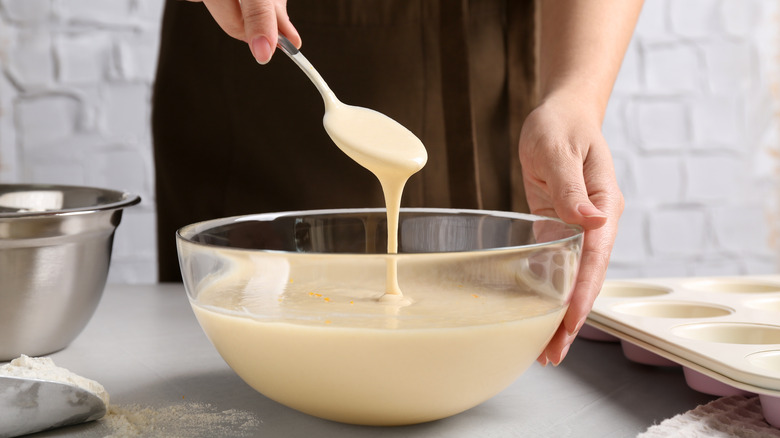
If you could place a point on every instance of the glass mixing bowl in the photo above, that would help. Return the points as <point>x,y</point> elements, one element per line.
<point>295,303</point>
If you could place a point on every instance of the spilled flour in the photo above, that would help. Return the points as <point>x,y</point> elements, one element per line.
<point>184,420</point>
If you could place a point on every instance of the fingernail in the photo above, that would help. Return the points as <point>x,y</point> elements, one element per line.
<point>563,355</point>
<point>261,50</point>
<point>576,329</point>
<point>589,210</point>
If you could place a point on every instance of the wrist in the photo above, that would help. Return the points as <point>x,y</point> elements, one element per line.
<point>574,102</point>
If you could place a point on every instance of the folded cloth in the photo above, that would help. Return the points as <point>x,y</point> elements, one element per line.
<point>734,416</point>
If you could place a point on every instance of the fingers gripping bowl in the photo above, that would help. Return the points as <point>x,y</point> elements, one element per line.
<point>295,304</point>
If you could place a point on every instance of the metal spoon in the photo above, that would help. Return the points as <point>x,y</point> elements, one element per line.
<point>370,151</point>
<point>288,48</point>
<point>30,405</point>
<point>375,141</point>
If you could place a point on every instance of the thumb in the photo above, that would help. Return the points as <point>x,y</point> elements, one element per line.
<point>591,216</point>
<point>570,199</point>
<point>260,25</point>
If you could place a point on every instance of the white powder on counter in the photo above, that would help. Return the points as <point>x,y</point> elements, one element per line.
<point>190,420</point>
<point>43,368</point>
<point>184,420</point>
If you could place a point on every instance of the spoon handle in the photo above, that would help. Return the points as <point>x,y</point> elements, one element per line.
<point>288,48</point>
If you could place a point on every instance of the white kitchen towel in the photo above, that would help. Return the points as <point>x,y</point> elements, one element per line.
<point>726,417</point>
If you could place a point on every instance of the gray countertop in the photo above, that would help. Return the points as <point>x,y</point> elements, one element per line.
<point>145,346</point>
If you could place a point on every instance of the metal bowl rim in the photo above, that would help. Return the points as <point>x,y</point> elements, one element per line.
<point>126,199</point>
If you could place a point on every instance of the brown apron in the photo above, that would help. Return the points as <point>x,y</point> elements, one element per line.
<point>233,137</point>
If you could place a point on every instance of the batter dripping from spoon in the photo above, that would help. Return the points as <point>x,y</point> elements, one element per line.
<point>378,143</point>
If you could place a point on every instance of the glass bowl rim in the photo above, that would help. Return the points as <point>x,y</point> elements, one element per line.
<point>185,233</point>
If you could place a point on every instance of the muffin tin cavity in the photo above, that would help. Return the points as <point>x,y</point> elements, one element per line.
<point>768,361</point>
<point>771,407</point>
<point>672,309</point>
<point>733,285</point>
<point>723,331</point>
<point>731,333</point>
<point>638,354</point>
<point>632,290</point>
<point>769,305</point>
<point>703,383</point>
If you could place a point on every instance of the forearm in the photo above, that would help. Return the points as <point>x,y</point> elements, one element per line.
<point>582,43</point>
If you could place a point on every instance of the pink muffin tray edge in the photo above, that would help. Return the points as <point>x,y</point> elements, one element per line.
<point>724,332</point>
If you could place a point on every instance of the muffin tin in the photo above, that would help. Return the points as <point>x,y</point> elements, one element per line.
<point>724,332</point>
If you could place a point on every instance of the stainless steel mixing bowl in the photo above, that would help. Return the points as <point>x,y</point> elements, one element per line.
<point>55,250</point>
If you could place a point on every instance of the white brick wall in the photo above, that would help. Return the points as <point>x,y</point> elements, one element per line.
<point>75,84</point>
<point>693,127</point>
<point>692,124</point>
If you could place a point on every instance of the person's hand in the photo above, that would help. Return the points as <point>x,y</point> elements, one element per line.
<point>256,22</point>
<point>568,173</point>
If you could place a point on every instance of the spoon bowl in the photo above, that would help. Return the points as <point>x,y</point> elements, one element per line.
<point>372,139</point>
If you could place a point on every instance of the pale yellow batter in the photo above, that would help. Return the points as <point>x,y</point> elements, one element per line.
<point>454,347</point>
